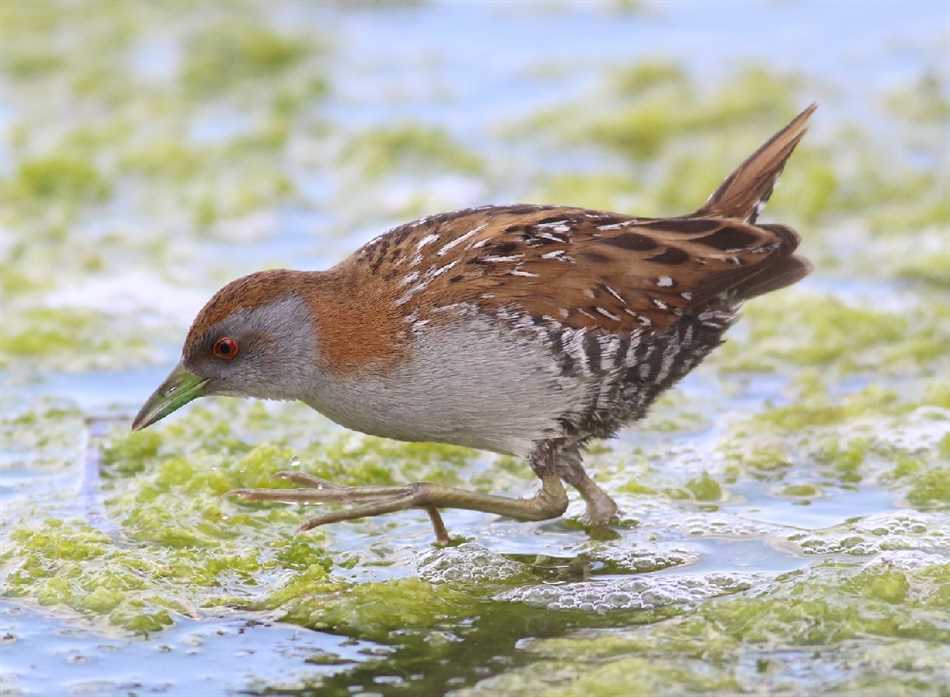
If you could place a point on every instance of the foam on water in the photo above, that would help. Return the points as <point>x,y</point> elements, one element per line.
<point>636,593</point>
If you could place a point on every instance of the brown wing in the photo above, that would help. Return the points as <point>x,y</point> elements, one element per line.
<point>582,268</point>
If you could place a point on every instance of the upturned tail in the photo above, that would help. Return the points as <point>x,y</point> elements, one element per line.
<point>744,192</point>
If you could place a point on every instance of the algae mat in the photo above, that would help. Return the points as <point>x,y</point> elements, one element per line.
<point>786,510</point>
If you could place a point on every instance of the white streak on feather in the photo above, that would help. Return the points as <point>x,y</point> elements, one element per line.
<point>441,270</point>
<point>635,339</point>
<point>669,354</point>
<point>574,347</point>
<point>615,294</point>
<point>426,240</point>
<point>497,259</point>
<point>609,343</point>
<point>460,239</point>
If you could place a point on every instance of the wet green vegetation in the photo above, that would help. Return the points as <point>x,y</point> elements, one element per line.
<point>785,511</point>
<point>385,150</point>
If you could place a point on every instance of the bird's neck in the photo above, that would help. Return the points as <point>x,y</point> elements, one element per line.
<point>358,324</point>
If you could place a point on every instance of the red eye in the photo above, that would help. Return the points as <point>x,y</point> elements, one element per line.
<point>225,348</point>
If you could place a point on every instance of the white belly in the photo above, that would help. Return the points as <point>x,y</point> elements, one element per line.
<point>470,383</point>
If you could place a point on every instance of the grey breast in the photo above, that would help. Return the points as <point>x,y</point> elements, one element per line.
<point>473,382</point>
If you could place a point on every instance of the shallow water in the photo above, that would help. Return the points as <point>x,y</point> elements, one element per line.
<point>786,510</point>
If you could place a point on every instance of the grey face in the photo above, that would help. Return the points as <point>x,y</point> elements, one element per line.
<point>267,352</point>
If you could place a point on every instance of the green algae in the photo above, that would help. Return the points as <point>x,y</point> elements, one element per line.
<point>896,198</point>
<point>76,566</point>
<point>707,649</point>
<point>61,177</point>
<point>763,459</point>
<point>652,107</point>
<point>848,442</point>
<point>31,65</point>
<point>873,401</point>
<point>704,488</point>
<point>845,459</point>
<point>837,335</point>
<point>221,56</point>
<point>933,269</point>
<point>70,339</point>
<point>376,610</point>
<point>633,486</point>
<point>381,151</point>
<point>644,129</point>
<point>165,158</point>
<point>828,331</point>
<point>923,102</point>
<point>801,490</point>
<point>166,488</point>
<point>129,455</point>
<point>931,489</point>
<point>889,585</point>
<point>647,75</point>
<point>811,189</point>
<point>937,393</point>
<point>44,438</point>
<point>605,191</point>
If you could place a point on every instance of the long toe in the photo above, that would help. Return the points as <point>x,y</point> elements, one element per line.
<point>375,507</point>
<point>601,511</point>
<point>321,495</point>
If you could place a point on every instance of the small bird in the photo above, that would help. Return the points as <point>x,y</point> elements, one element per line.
<point>524,329</point>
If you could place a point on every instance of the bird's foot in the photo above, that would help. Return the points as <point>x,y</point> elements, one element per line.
<point>601,508</point>
<point>601,511</point>
<point>549,502</point>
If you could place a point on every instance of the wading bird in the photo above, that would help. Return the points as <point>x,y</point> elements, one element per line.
<point>523,329</point>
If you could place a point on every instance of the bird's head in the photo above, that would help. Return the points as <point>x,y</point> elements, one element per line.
<point>255,338</point>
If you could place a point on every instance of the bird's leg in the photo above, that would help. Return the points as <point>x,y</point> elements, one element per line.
<point>549,502</point>
<point>438,526</point>
<point>601,508</point>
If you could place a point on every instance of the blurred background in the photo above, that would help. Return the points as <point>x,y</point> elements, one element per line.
<point>786,521</point>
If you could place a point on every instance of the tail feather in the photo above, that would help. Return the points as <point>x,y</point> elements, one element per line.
<point>784,272</point>
<point>745,191</point>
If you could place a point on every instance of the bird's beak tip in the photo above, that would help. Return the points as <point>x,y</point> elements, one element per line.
<point>179,388</point>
